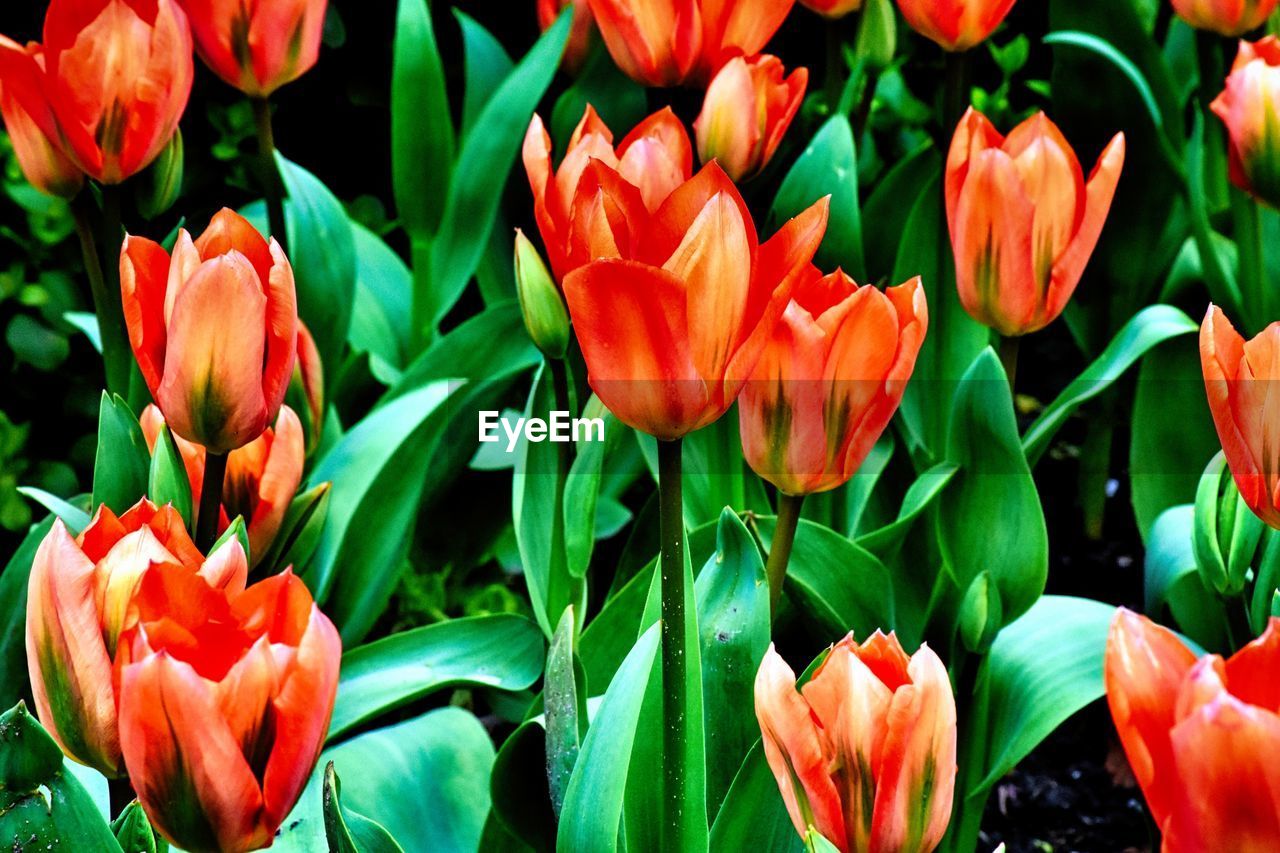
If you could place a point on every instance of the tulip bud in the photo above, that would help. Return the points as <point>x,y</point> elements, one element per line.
<point>1226,533</point>
<point>748,107</point>
<point>832,8</point>
<point>981,614</point>
<point>581,37</point>
<point>30,123</point>
<point>1231,18</point>
<point>543,309</point>
<point>306,388</point>
<point>1023,220</point>
<point>162,182</point>
<point>877,42</point>
<point>214,329</point>
<point>257,47</point>
<point>1250,108</point>
<point>955,25</point>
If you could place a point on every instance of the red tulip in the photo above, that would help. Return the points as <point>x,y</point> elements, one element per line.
<point>581,36</point>
<point>737,28</point>
<point>865,752</point>
<point>955,24</point>
<point>829,380</point>
<point>43,162</point>
<point>747,109</point>
<point>1225,17</point>
<point>651,161</point>
<point>1201,736</point>
<point>108,85</point>
<point>257,47</point>
<point>833,8</point>
<point>1250,108</point>
<point>225,699</point>
<point>261,478</point>
<point>214,329</point>
<point>676,313</point>
<point>1237,376</point>
<point>1023,219</point>
<point>78,602</point>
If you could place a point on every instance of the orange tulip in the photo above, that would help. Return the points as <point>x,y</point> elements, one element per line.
<point>108,85</point>
<point>1023,220</point>
<point>829,380</point>
<point>225,699</point>
<point>41,157</point>
<point>257,47</point>
<point>833,8</point>
<point>1250,108</point>
<point>581,36</point>
<point>737,28</point>
<point>1237,378</point>
<point>261,479</point>
<point>865,752</point>
<point>747,109</point>
<point>1201,736</point>
<point>677,311</point>
<point>955,25</point>
<point>78,605</point>
<point>1225,17</point>
<point>653,159</point>
<point>214,329</point>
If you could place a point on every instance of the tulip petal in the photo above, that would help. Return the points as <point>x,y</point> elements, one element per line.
<point>282,331</point>
<point>229,231</point>
<point>653,43</point>
<point>144,273</point>
<point>1100,190</point>
<point>1251,672</point>
<point>227,567</point>
<point>276,481</point>
<point>729,127</point>
<point>973,135</point>
<point>677,214</point>
<point>547,205</point>
<point>656,157</point>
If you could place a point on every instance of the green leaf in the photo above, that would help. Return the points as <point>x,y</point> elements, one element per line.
<point>1171,578</point>
<point>753,816</point>
<point>715,474</point>
<point>300,530</point>
<point>828,166</point>
<point>425,781</point>
<point>561,700</point>
<point>582,491</point>
<point>122,463</point>
<point>487,65</point>
<point>75,518</point>
<point>167,479</point>
<point>421,126</point>
<point>884,216</point>
<point>1107,51</point>
<point>886,541</point>
<point>14,680</point>
<point>1219,274</point>
<point>518,785</point>
<point>502,651</point>
<point>380,321</point>
<point>991,519</point>
<point>133,831</point>
<point>349,832</point>
<point>1149,328</point>
<point>815,842</point>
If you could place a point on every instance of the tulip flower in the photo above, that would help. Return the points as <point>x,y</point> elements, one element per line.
<point>78,602</point>
<point>225,699</point>
<point>865,752</point>
<point>747,109</point>
<point>1023,220</point>
<point>257,47</point>
<point>1201,735</point>
<point>214,329</point>
<point>831,377</point>
<point>653,159</point>
<point>672,320</point>
<point>109,83</point>
<point>736,28</point>
<point>1250,108</point>
<point>261,478</point>
<point>833,8</point>
<point>1230,18</point>
<point>43,162</point>
<point>1237,378</point>
<point>581,36</point>
<point>306,387</point>
<point>955,25</point>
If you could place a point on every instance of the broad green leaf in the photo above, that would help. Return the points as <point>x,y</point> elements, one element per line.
<point>167,479</point>
<point>884,216</point>
<point>886,541</point>
<point>582,491</point>
<point>753,816</point>
<point>487,65</point>
<point>75,518</point>
<point>502,651</point>
<point>380,321</point>
<point>1149,328</point>
<point>425,781</point>
<point>120,468</point>
<point>347,831</point>
<point>609,636</point>
<point>421,126</point>
<point>518,785</point>
<point>561,702</point>
<point>1171,578</point>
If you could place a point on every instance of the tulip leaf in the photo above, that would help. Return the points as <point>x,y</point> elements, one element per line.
<point>1103,48</point>
<point>1171,578</point>
<point>421,124</point>
<point>14,681</point>
<point>167,479</point>
<point>753,816</point>
<point>134,833</point>
<point>75,518</point>
<point>884,216</point>
<point>815,842</point>
<point>121,466</point>
<point>347,831</point>
<point>424,781</point>
<point>384,288</point>
<point>299,532</point>
<point>502,651</point>
<point>608,637</point>
<point>1149,328</point>
<point>582,491</point>
<point>594,803</point>
<point>520,790</point>
<point>42,805</point>
<point>487,65</point>
<point>565,709</point>
<point>885,542</point>
<point>992,519</point>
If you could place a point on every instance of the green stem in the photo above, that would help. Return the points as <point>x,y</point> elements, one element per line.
<point>956,96</point>
<point>1254,291</point>
<point>784,536</point>
<point>675,721</point>
<point>1009,358</point>
<point>115,346</point>
<point>215,471</point>
<point>836,67</point>
<point>1210,59</point>
<point>272,185</point>
<point>422,313</point>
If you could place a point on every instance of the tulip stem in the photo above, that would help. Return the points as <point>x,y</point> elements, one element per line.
<point>115,347</point>
<point>956,93</point>
<point>784,536</point>
<point>1248,235</point>
<point>675,719</point>
<point>215,470</point>
<point>272,185</point>
<point>1009,357</point>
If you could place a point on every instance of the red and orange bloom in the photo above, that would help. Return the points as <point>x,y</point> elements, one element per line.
<point>1238,375</point>
<point>1250,108</point>
<point>653,159</point>
<point>955,25</point>
<point>43,162</point>
<point>214,329</point>
<point>109,83</point>
<point>829,381</point>
<point>581,36</point>
<point>677,311</point>
<point>865,752</point>
<point>257,47</point>
<point>225,700</point>
<point>737,28</point>
<point>262,477</point>
<point>78,603</point>
<point>833,8</point>
<point>1201,735</point>
<point>748,107</point>
<point>1023,220</point>
<point>1225,17</point>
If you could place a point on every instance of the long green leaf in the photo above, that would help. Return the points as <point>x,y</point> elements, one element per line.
<point>14,682</point>
<point>421,126</point>
<point>753,816</point>
<point>122,463</point>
